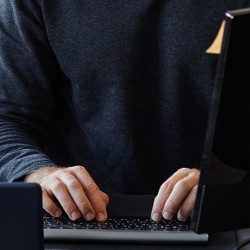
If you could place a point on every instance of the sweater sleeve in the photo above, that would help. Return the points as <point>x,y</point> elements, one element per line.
<point>29,72</point>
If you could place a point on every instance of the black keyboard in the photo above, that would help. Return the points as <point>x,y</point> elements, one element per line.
<point>125,223</point>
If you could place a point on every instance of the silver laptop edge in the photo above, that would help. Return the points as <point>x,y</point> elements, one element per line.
<point>124,236</point>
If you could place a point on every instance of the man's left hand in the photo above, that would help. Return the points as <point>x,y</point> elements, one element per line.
<point>178,193</point>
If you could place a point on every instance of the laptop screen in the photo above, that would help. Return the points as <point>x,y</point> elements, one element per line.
<point>223,195</point>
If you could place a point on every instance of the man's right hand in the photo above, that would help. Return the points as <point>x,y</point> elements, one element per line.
<point>75,190</point>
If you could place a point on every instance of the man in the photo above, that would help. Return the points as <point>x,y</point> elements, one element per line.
<point>106,96</point>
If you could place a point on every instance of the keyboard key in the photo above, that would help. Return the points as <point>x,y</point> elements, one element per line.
<point>115,224</point>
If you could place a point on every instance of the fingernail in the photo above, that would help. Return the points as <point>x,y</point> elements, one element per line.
<point>167,215</point>
<point>58,213</point>
<point>89,216</point>
<point>181,218</point>
<point>74,215</point>
<point>156,217</point>
<point>101,217</point>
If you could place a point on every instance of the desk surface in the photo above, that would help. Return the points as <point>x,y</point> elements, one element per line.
<point>225,240</point>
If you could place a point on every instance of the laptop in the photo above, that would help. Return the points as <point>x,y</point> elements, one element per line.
<point>223,200</point>
<point>129,221</point>
<point>132,222</point>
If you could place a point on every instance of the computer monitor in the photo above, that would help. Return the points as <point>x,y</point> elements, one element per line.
<point>223,198</point>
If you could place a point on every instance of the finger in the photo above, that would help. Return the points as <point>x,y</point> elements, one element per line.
<point>105,198</point>
<point>49,205</point>
<point>164,193</point>
<point>62,195</point>
<point>92,192</point>
<point>187,206</point>
<point>178,195</point>
<point>78,195</point>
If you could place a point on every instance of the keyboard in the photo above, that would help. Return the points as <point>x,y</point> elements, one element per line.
<point>126,223</point>
<point>120,229</point>
<point>129,223</point>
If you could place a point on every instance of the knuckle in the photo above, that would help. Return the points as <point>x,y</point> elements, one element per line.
<point>57,186</point>
<point>104,196</point>
<point>68,205</point>
<point>157,209</point>
<point>78,168</point>
<point>49,206</point>
<point>194,172</point>
<point>59,172</point>
<point>43,183</point>
<point>167,185</point>
<point>107,200</point>
<point>73,184</point>
<point>195,189</point>
<point>183,185</point>
<point>53,209</point>
<point>170,206</point>
<point>183,170</point>
<point>82,205</point>
<point>91,187</point>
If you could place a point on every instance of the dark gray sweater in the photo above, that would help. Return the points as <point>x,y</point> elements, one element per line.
<point>121,87</point>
